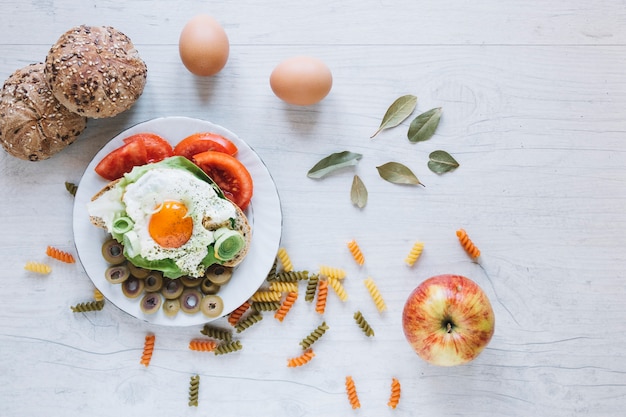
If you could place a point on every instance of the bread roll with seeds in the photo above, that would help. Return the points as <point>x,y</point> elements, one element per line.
<point>33,124</point>
<point>95,71</point>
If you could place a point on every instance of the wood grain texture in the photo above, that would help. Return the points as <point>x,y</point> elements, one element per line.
<point>533,99</point>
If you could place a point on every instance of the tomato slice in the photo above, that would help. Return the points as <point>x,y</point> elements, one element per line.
<point>205,141</point>
<point>157,148</point>
<point>229,174</point>
<point>122,160</point>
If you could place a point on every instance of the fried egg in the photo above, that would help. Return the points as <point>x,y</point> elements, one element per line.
<point>167,208</point>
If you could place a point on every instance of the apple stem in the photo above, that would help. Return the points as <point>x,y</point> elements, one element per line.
<point>449,327</point>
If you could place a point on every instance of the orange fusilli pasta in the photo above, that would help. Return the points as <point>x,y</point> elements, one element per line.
<point>60,255</point>
<point>286,305</point>
<point>394,397</point>
<point>234,317</point>
<point>356,252</point>
<point>202,345</point>
<point>148,349</point>
<point>467,244</point>
<point>301,360</point>
<point>352,394</point>
<point>322,295</point>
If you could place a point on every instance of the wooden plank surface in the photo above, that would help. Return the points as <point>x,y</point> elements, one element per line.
<point>533,99</point>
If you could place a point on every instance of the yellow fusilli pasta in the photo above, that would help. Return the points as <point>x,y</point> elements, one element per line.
<point>356,252</point>
<point>284,286</point>
<point>38,268</point>
<point>352,394</point>
<point>372,288</point>
<point>301,360</point>
<point>467,244</point>
<point>148,349</point>
<point>338,288</point>
<point>414,253</point>
<point>97,295</point>
<point>331,272</point>
<point>285,260</point>
<point>60,255</point>
<point>266,295</point>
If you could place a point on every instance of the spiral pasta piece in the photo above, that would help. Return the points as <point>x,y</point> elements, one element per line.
<point>338,288</point>
<point>356,252</point>
<point>194,390</point>
<point>284,286</point>
<point>363,324</point>
<point>266,305</point>
<point>228,347</point>
<point>332,272</point>
<point>414,253</point>
<point>322,295</point>
<point>285,260</point>
<point>216,333</point>
<point>311,288</point>
<point>88,306</point>
<point>248,321</point>
<point>353,397</point>
<point>97,295</point>
<point>272,272</point>
<point>286,305</point>
<point>301,360</point>
<point>266,295</point>
<point>234,317</point>
<point>148,350</point>
<point>60,255</point>
<point>372,288</point>
<point>314,336</point>
<point>202,345</point>
<point>71,187</point>
<point>394,397</point>
<point>289,276</point>
<point>38,268</point>
<point>467,244</point>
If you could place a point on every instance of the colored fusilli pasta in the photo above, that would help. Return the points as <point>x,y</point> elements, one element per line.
<point>71,187</point>
<point>286,305</point>
<point>372,288</point>
<point>338,288</point>
<point>216,333</point>
<point>322,295</point>
<point>38,268</point>
<point>60,255</point>
<point>414,253</point>
<point>228,347</point>
<point>97,295</point>
<point>266,295</point>
<point>467,244</point>
<point>331,272</point>
<point>301,360</point>
<point>234,317</point>
<point>266,305</point>
<point>284,286</point>
<point>285,260</point>
<point>314,335</point>
<point>363,324</point>
<point>290,276</point>
<point>356,252</point>
<point>148,349</point>
<point>247,322</point>
<point>311,288</point>
<point>202,345</point>
<point>394,397</point>
<point>194,390</point>
<point>88,306</point>
<point>353,397</point>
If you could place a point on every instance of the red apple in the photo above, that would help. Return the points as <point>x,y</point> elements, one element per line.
<point>448,320</point>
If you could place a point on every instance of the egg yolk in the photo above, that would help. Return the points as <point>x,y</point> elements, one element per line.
<point>169,226</point>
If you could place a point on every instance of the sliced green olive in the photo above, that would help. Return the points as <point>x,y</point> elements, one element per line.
<point>212,305</point>
<point>117,274</point>
<point>190,301</point>
<point>132,287</point>
<point>219,274</point>
<point>172,288</point>
<point>154,281</point>
<point>113,252</point>
<point>191,282</point>
<point>151,302</point>
<point>171,307</point>
<point>208,287</point>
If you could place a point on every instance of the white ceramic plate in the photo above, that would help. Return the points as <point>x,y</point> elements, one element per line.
<point>264,215</point>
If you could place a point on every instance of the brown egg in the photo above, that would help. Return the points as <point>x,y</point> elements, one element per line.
<point>203,46</point>
<point>301,80</point>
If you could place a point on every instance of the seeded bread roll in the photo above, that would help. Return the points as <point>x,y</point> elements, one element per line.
<point>95,71</point>
<point>33,124</point>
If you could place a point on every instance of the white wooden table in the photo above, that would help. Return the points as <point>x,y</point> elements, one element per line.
<point>534,102</point>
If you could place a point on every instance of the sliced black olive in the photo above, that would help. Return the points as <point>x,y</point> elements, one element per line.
<point>132,287</point>
<point>113,252</point>
<point>212,306</point>
<point>117,274</point>
<point>172,288</point>
<point>219,274</point>
<point>154,281</point>
<point>190,300</point>
<point>151,302</point>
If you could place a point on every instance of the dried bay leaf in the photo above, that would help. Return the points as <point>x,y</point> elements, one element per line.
<point>441,162</point>
<point>358,192</point>
<point>333,162</point>
<point>397,173</point>
<point>397,112</point>
<point>424,125</point>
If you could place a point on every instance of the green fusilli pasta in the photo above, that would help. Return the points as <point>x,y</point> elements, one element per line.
<point>311,288</point>
<point>228,347</point>
<point>266,305</point>
<point>290,276</point>
<point>216,333</point>
<point>194,390</point>
<point>248,321</point>
<point>88,306</point>
<point>314,336</point>
<point>363,324</point>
